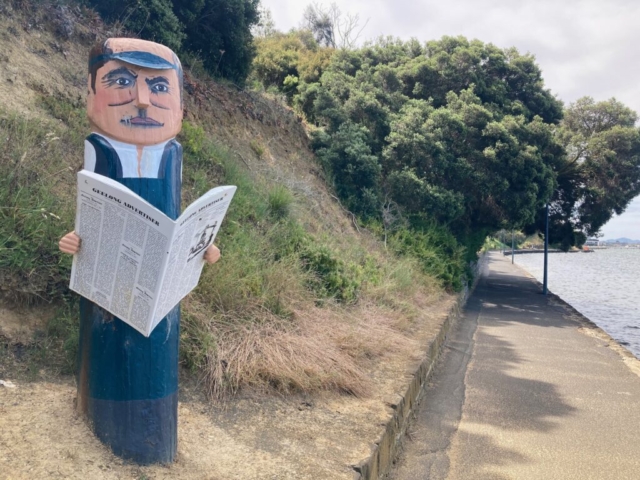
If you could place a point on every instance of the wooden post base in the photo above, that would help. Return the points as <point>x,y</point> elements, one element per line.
<point>128,384</point>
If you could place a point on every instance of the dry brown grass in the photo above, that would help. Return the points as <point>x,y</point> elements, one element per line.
<point>319,349</point>
<point>253,322</point>
<point>308,348</point>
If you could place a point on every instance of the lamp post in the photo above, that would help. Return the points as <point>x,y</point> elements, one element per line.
<point>546,249</point>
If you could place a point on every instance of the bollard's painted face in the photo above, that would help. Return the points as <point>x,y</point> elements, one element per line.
<point>135,96</point>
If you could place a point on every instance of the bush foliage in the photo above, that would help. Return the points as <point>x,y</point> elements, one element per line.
<point>286,61</point>
<point>216,31</point>
<point>460,133</point>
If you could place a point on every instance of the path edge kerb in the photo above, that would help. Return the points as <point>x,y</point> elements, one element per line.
<point>379,463</point>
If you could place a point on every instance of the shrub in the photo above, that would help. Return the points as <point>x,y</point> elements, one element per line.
<point>333,276</point>
<point>437,251</point>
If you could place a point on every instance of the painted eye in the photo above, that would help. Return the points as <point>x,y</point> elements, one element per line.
<point>123,82</point>
<point>160,88</point>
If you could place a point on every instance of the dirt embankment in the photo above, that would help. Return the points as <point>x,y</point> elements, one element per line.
<point>252,435</point>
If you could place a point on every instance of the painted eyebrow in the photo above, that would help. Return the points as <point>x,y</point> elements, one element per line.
<point>119,71</point>
<point>152,81</point>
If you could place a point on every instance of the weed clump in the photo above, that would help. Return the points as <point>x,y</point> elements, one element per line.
<point>280,200</point>
<point>257,148</point>
<point>437,251</point>
<point>332,276</point>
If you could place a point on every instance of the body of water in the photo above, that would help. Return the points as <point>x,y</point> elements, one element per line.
<point>604,286</point>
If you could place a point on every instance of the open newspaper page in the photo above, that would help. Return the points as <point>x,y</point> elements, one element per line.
<point>134,261</point>
<point>124,250</point>
<point>196,229</point>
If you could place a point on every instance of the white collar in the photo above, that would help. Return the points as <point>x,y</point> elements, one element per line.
<point>149,163</point>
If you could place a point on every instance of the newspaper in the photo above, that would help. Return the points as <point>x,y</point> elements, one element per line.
<point>135,262</point>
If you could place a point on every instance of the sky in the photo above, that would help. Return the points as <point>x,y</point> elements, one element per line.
<point>584,47</point>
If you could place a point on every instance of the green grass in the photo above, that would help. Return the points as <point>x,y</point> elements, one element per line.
<point>33,213</point>
<point>37,178</point>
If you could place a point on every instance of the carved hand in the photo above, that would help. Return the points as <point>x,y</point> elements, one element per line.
<point>212,255</point>
<point>70,243</point>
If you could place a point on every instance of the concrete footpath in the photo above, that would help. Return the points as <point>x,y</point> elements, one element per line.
<point>526,389</point>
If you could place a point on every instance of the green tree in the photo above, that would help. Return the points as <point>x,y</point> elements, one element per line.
<point>463,131</point>
<point>152,20</point>
<point>486,170</point>
<point>600,174</point>
<point>219,31</point>
<point>331,27</point>
<point>318,20</point>
<point>266,26</point>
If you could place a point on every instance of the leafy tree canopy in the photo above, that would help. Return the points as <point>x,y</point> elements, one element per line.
<point>153,20</point>
<point>219,31</point>
<point>460,131</point>
<point>600,174</point>
<point>285,60</point>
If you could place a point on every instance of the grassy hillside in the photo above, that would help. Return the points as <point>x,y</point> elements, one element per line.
<point>304,298</point>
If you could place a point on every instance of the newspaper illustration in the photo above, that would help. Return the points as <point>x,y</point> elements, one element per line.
<point>205,239</point>
<point>135,262</point>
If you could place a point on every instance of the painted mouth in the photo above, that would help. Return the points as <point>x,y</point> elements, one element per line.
<point>141,122</point>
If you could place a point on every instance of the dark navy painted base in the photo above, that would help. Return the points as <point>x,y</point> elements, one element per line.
<point>144,431</point>
<point>128,384</point>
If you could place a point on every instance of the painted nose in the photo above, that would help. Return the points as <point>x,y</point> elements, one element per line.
<point>142,95</point>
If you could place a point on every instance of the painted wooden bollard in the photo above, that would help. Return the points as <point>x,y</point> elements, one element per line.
<point>128,383</point>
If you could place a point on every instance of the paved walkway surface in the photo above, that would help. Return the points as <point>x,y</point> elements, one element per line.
<point>524,392</point>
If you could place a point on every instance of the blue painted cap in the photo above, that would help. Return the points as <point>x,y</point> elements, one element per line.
<point>141,59</point>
